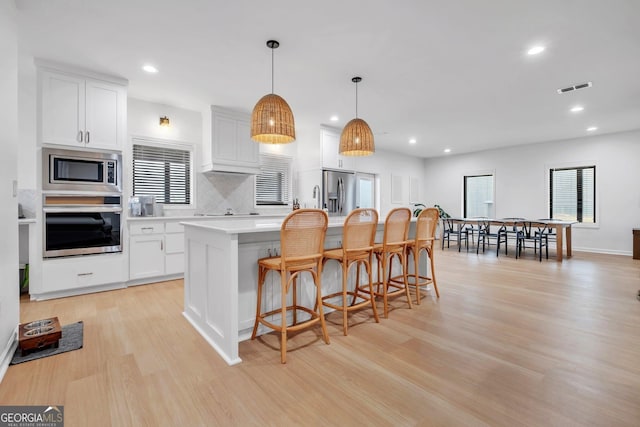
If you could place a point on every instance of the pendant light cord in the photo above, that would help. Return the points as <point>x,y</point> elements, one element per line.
<point>356,100</point>
<point>272,49</point>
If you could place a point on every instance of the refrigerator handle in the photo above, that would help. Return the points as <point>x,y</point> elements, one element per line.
<point>341,198</point>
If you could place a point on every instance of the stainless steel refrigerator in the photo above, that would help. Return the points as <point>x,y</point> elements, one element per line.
<point>338,192</point>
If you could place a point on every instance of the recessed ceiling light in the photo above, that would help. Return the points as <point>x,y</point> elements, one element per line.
<point>535,50</point>
<point>577,109</point>
<point>447,150</point>
<point>334,118</point>
<point>592,128</point>
<point>150,68</point>
<point>412,141</point>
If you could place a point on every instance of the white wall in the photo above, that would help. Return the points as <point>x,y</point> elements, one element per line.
<point>9,291</point>
<point>27,87</point>
<point>399,168</point>
<point>214,192</point>
<point>521,180</point>
<point>143,121</point>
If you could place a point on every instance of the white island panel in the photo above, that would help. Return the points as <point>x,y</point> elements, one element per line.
<point>211,288</point>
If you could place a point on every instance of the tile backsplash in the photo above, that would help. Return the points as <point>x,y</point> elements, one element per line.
<point>218,191</point>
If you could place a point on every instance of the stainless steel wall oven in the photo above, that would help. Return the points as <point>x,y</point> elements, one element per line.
<point>80,225</point>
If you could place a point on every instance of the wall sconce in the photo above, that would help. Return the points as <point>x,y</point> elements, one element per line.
<point>164,121</point>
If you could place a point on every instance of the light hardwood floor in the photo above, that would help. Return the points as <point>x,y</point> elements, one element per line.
<point>510,342</point>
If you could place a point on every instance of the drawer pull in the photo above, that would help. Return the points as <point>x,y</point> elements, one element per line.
<point>147,228</point>
<point>85,274</point>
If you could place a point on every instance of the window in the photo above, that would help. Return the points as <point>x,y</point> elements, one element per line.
<point>478,196</point>
<point>573,194</point>
<point>273,182</point>
<point>162,172</point>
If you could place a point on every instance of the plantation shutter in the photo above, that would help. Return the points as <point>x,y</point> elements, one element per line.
<point>272,184</point>
<point>162,172</point>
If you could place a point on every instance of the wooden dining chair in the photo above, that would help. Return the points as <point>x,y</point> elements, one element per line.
<point>302,237</point>
<point>358,236</point>
<point>393,247</point>
<point>426,225</point>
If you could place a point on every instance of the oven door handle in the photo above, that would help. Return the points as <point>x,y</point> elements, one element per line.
<point>77,209</point>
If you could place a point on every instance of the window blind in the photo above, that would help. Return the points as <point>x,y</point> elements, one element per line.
<point>273,182</point>
<point>162,172</point>
<point>572,194</point>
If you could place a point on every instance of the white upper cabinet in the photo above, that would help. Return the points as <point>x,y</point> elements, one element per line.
<point>330,140</point>
<point>231,149</point>
<point>80,111</point>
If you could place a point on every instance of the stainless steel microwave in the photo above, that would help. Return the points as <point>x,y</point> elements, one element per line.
<point>74,170</point>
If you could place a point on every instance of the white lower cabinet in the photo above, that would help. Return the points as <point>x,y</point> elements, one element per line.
<point>146,256</point>
<point>71,274</point>
<point>156,250</point>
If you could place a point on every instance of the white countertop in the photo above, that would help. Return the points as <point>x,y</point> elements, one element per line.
<point>191,218</point>
<point>255,225</point>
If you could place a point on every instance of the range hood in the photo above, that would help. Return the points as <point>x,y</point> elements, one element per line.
<point>227,146</point>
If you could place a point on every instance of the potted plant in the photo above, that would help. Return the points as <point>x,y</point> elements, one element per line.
<point>419,206</point>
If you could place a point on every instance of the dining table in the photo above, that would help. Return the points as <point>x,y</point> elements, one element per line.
<point>562,228</point>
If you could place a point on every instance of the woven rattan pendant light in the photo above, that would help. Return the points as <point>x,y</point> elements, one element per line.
<point>272,119</point>
<point>356,138</point>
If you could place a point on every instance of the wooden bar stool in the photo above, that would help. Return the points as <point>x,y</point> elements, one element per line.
<point>302,244</point>
<point>425,237</point>
<point>393,246</point>
<point>358,236</point>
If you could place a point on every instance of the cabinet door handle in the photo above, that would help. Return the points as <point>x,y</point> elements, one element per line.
<point>269,251</point>
<point>85,274</point>
<point>80,136</point>
<point>87,138</point>
<point>161,245</point>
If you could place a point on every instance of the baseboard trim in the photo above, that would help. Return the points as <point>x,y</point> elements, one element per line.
<point>156,279</point>
<point>603,251</point>
<point>80,291</point>
<point>7,353</point>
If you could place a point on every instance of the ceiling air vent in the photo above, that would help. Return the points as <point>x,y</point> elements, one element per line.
<point>576,87</point>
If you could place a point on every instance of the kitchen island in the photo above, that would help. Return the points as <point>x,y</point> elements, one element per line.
<point>220,280</point>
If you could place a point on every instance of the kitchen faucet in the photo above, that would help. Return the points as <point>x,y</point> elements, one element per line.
<point>316,193</point>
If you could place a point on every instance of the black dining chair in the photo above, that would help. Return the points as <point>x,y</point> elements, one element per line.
<point>514,227</point>
<point>450,231</point>
<point>534,232</point>
<point>551,231</point>
<point>486,234</point>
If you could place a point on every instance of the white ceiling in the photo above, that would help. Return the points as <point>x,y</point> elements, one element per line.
<point>452,74</point>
